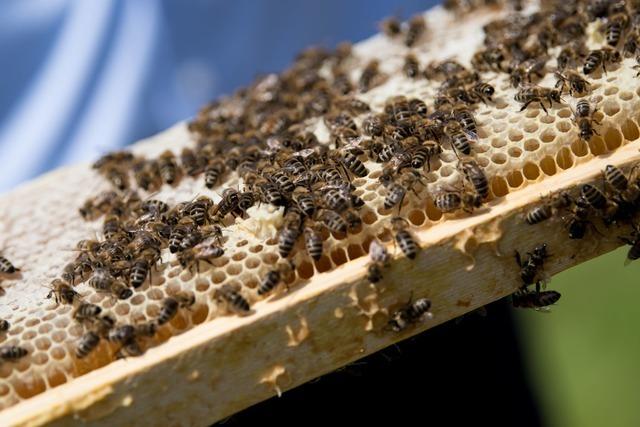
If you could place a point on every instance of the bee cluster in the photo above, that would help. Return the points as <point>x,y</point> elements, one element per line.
<point>340,160</point>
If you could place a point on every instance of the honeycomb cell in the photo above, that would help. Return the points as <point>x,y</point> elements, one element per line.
<point>564,113</point>
<point>252,262</point>
<point>579,148</point>
<point>610,107</point>
<point>563,126</point>
<point>630,130</point>
<point>432,212</point>
<point>499,158</point>
<point>548,166</point>
<point>515,135</point>
<point>256,249</point>
<point>547,136</point>
<point>355,251</point>
<point>625,96</point>
<point>612,138</point>
<point>531,145</point>
<point>597,146</point>
<point>531,127</point>
<point>499,186</point>
<point>514,152</point>
<point>531,171</point>
<point>323,264</point>
<point>515,179</point>
<point>338,257</point>
<point>498,142</point>
<point>416,217</point>
<point>564,158</point>
<point>305,270</point>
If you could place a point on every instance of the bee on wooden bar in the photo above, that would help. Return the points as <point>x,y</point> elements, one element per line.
<point>411,67</point>
<point>61,291</point>
<point>233,299</point>
<point>593,196</point>
<point>548,208</point>
<point>11,353</point>
<point>536,299</point>
<point>453,200</point>
<point>600,58</point>
<point>411,313</point>
<point>88,342</point>
<point>282,272</point>
<point>403,237</point>
<point>531,266</point>
<point>379,259</point>
<point>529,94</point>
<point>575,82</point>
<point>577,221</point>
<point>416,28</point>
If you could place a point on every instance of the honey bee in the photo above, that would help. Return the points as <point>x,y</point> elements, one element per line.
<point>352,105</point>
<point>390,27</point>
<point>306,202</point>
<point>474,174</point>
<point>411,67</point>
<point>625,190</point>
<point>530,93</point>
<point>233,299</point>
<point>169,170</point>
<point>86,312</point>
<point>416,28</point>
<point>88,342</point>
<point>153,207</point>
<point>313,243</point>
<point>350,160</point>
<point>61,291</point>
<point>289,234</point>
<point>422,154</point>
<point>379,259</point>
<point>334,222</point>
<point>103,281</point>
<point>190,163</point>
<point>520,73</point>
<point>458,138</point>
<point>4,325</point>
<point>6,267</point>
<point>411,313</point>
<point>129,349</point>
<point>576,83</point>
<point>205,252</point>
<point>113,158</point>
<point>616,25</point>
<point>583,117</point>
<point>548,208</point>
<point>601,57</point>
<point>170,305</point>
<point>213,172</point>
<point>341,82</point>
<point>370,76</point>
<point>530,267</point>
<point>198,209</point>
<point>463,116</point>
<point>488,60</point>
<point>11,353</point>
<point>122,334</point>
<point>538,300</point>
<point>283,272</point>
<point>570,55</point>
<point>373,125</point>
<point>593,196</point>
<point>577,220</point>
<point>403,237</point>
<point>482,91</point>
<point>185,227</point>
<point>147,175</point>
<point>117,177</point>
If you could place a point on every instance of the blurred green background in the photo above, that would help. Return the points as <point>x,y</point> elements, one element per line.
<point>585,354</point>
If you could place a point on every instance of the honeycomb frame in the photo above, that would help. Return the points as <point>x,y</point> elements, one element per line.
<point>509,143</point>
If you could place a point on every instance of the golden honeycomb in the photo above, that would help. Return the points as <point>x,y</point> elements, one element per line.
<point>40,227</point>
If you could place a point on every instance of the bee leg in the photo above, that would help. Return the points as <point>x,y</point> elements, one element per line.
<point>526,104</point>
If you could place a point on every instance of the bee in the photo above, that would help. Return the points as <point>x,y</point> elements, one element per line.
<point>88,342</point>
<point>370,76</point>
<point>341,82</point>
<point>521,73</point>
<point>466,120</point>
<point>113,158</point>
<point>577,220</point>
<point>537,299</point>
<point>583,117</point>
<point>379,259</point>
<point>631,44</point>
<point>4,325</point>
<point>576,83</point>
<point>403,237</point>
<point>530,267</point>
<point>390,27</point>
<point>61,291</point>
<point>306,202</point>
<point>398,109</point>
<point>6,267</point>
<point>373,125</point>
<point>289,234</point>
<point>415,30</point>
<point>353,164</point>
<point>232,298</point>
<point>422,154</point>
<point>168,166</point>
<point>615,178</point>
<point>352,105</point>
<point>409,314</point>
<point>103,281</point>
<point>488,60</point>
<point>544,211</point>
<point>418,107</point>
<point>593,196</point>
<point>458,138</point>
<point>198,209</point>
<point>86,312</point>
<point>122,334</point>
<point>601,57</point>
<point>334,222</point>
<point>147,175</point>
<point>154,207</point>
<point>117,177</point>
<point>170,306</point>
<point>273,278</point>
<point>530,93</point>
<point>202,252</point>
<point>213,172</point>
<point>129,349</point>
<point>450,201</point>
<point>474,174</point>
<point>482,91</point>
<point>282,180</point>
<point>625,189</point>
<point>190,163</point>
<point>616,25</point>
<point>184,227</point>
<point>313,243</point>
<point>11,353</point>
<point>411,67</point>
<point>139,272</point>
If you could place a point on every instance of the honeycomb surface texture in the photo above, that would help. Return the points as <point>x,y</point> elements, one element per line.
<point>40,227</point>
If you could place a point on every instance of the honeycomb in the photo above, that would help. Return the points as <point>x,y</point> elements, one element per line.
<point>40,222</point>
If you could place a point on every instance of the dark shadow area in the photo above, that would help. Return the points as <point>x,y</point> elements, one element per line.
<point>465,371</point>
